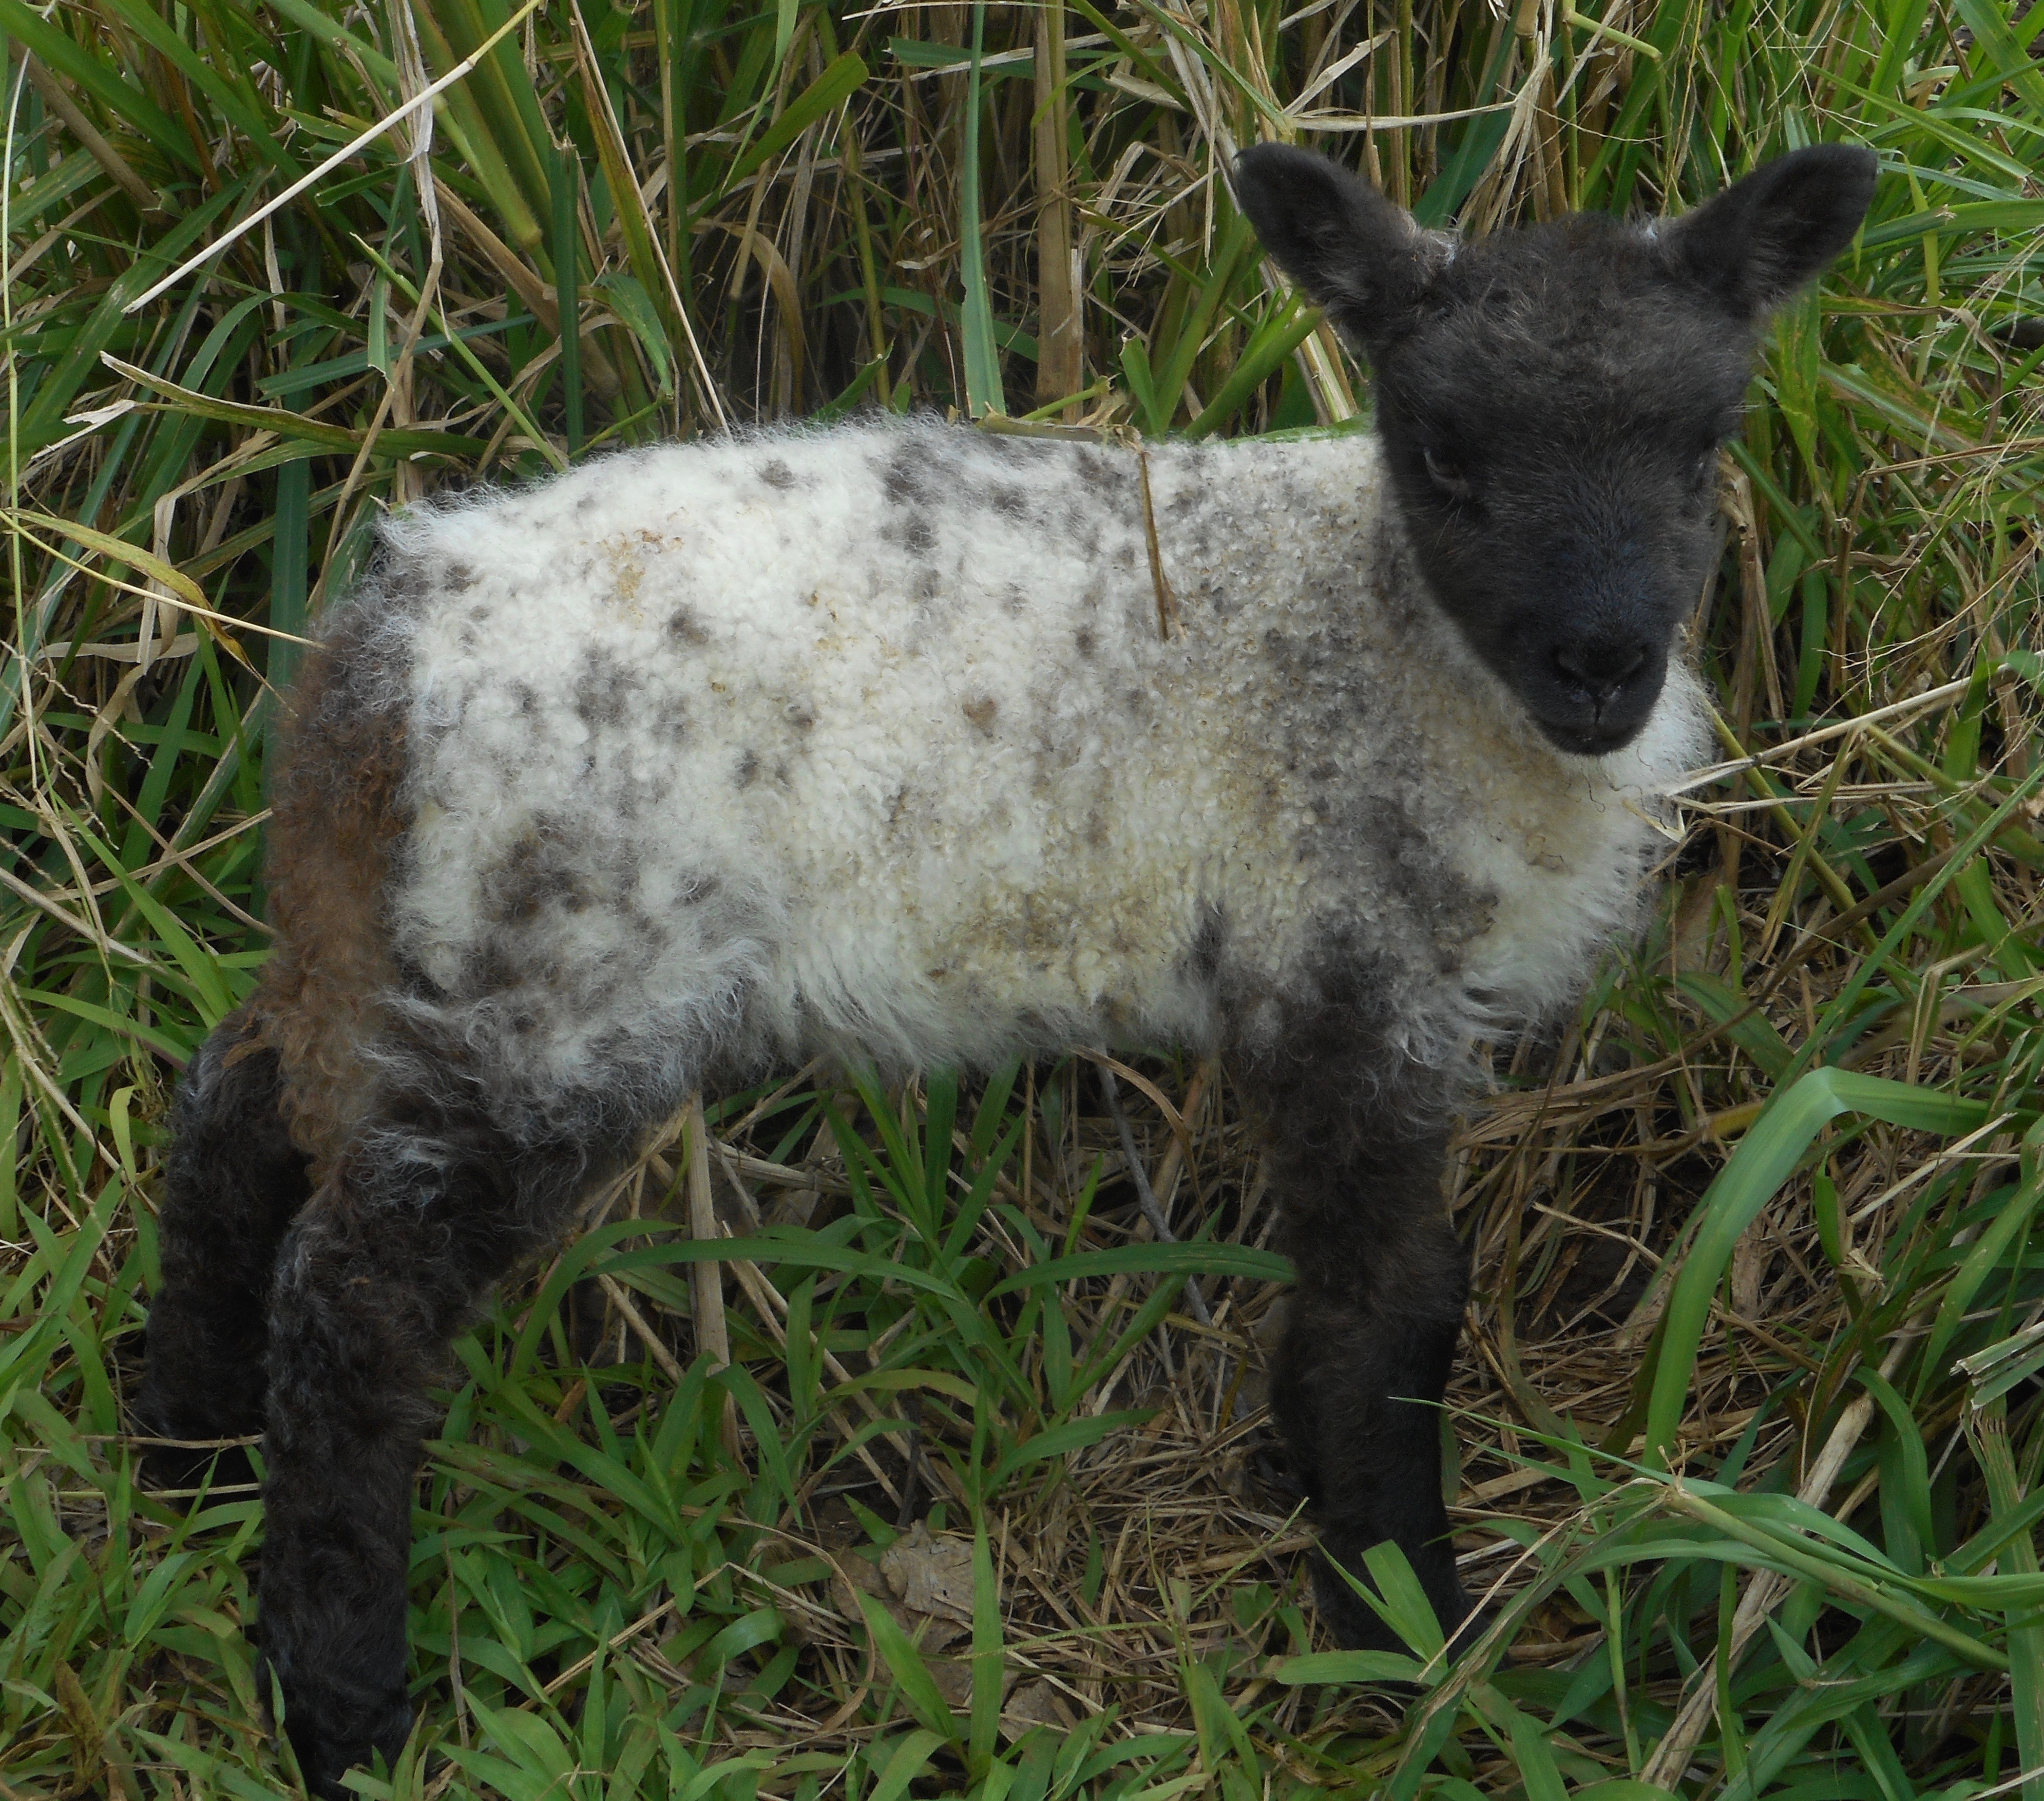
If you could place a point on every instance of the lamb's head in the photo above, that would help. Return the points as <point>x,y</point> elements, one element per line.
<point>1551,401</point>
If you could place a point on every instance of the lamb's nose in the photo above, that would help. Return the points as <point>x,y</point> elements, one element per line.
<point>1601,667</point>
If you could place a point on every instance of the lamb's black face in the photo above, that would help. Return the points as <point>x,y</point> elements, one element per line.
<point>1552,426</point>
<point>1551,403</point>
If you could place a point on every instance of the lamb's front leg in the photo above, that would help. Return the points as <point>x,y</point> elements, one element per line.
<point>415,1225</point>
<point>1367,1348</point>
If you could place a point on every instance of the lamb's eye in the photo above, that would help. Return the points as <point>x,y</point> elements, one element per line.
<point>1446,476</point>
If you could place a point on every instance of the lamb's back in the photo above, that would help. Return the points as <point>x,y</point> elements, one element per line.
<point>879,726</point>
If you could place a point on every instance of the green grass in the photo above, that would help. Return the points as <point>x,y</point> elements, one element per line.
<point>1752,1413</point>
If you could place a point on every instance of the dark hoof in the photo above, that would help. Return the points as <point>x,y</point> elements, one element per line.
<point>1356,1626</point>
<point>333,1730</point>
<point>180,1467</point>
<point>1475,1624</point>
<point>1267,1471</point>
<point>176,1471</point>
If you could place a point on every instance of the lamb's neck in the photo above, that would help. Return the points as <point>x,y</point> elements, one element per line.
<point>1281,517</point>
<point>1294,580</point>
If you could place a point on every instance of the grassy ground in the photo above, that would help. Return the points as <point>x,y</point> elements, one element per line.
<point>1750,1414</point>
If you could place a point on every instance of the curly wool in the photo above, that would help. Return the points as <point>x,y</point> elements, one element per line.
<point>867,741</point>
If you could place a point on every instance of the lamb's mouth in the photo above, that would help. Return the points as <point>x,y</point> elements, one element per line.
<point>1595,740</point>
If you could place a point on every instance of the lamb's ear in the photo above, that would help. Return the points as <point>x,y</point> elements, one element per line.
<point>1764,237</point>
<point>1354,253</point>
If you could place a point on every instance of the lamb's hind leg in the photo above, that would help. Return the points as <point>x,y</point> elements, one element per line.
<point>235,1183</point>
<point>433,1203</point>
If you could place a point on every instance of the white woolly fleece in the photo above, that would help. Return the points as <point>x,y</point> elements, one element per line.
<point>866,739</point>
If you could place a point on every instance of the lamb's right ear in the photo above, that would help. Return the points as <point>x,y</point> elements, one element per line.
<point>1764,237</point>
<point>1357,254</point>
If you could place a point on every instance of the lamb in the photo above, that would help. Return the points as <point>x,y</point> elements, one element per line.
<point>874,741</point>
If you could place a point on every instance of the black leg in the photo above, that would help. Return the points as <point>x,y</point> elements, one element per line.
<point>1361,1136</point>
<point>235,1183</point>
<point>417,1223</point>
<point>1366,1357</point>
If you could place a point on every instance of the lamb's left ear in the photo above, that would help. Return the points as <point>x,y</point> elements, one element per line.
<point>1356,253</point>
<point>1764,237</point>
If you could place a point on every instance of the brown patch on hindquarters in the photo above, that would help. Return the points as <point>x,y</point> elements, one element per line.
<point>336,818</point>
